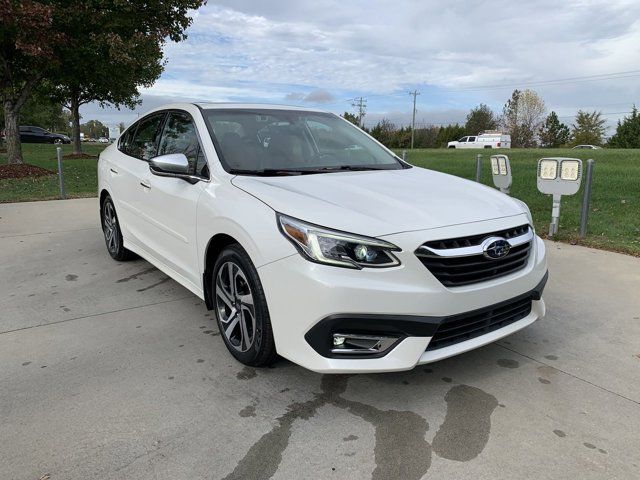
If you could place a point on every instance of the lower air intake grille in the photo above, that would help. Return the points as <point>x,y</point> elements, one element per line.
<point>469,325</point>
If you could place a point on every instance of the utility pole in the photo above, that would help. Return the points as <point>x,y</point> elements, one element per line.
<point>415,93</point>
<point>361,104</point>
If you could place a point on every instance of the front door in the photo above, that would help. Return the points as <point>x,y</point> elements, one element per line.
<point>170,203</point>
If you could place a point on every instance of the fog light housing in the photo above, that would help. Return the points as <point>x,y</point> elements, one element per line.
<point>356,343</point>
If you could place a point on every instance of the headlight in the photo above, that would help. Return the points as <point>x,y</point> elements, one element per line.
<point>332,247</point>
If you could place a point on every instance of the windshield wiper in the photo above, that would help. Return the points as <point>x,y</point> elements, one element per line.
<point>347,168</point>
<point>271,172</point>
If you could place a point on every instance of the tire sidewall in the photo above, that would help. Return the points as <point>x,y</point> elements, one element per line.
<point>254,355</point>
<point>119,253</point>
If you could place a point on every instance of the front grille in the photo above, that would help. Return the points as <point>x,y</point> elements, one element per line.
<point>471,266</point>
<point>466,326</point>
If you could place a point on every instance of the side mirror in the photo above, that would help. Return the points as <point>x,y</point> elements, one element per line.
<point>173,165</point>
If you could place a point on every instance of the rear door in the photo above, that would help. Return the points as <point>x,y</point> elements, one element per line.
<point>471,143</point>
<point>170,203</point>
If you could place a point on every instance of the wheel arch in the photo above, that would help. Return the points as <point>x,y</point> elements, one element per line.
<point>104,193</point>
<point>216,244</point>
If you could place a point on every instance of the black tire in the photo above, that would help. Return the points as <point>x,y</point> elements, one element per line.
<point>112,232</point>
<point>257,349</point>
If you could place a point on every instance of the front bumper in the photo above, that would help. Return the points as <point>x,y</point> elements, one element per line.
<point>307,300</point>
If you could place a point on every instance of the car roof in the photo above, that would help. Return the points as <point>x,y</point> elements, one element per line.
<point>253,106</point>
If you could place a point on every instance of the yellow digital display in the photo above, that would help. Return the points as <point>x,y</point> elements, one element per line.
<point>502,164</point>
<point>569,170</point>
<point>548,169</point>
<point>494,166</point>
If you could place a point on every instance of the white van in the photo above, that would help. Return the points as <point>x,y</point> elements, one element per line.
<point>484,140</point>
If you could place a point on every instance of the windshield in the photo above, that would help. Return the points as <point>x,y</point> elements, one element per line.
<point>286,142</point>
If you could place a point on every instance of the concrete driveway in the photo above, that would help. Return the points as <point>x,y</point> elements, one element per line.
<point>112,370</point>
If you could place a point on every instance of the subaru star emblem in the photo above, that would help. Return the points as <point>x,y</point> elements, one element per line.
<point>495,248</point>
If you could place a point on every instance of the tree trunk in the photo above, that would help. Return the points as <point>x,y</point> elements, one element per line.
<point>12,133</point>
<point>75,124</point>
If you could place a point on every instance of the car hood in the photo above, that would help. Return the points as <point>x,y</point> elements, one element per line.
<point>381,202</point>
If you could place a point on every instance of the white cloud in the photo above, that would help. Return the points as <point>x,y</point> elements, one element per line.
<point>287,50</point>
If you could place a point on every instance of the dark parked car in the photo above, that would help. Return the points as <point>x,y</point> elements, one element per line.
<point>40,135</point>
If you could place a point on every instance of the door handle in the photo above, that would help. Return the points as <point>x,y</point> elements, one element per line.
<point>145,185</point>
<point>113,171</point>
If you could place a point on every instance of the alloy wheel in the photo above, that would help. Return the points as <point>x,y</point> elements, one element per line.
<point>235,307</point>
<point>110,227</point>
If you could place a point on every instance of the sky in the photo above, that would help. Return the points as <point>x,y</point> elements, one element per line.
<point>324,54</point>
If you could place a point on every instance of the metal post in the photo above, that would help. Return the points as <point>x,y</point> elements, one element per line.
<point>555,216</point>
<point>586,199</point>
<point>478,167</point>
<point>404,155</point>
<point>60,174</point>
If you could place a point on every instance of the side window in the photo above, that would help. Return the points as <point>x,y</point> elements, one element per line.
<point>143,145</point>
<point>463,139</point>
<point>472,139</point>
<point>179,136</point>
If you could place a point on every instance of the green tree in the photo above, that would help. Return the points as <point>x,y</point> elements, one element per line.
<point>94,129</point>
<point>522,117</point>
<point>479,119</point>
<point>384,131</point>
<point>627,132</point>
<point>88,51</point>
<point>30,42</point>
<point>351,118</point>
<point>553,133</point>
<point>116,49</point>
<point>589,128</point>
<point>449,133</point>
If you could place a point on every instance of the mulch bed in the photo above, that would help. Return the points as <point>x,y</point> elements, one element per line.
<point>74,156</point>
<point>23,170</point>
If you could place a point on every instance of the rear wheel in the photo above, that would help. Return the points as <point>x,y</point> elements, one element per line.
<point>112,232</point>
<point>241,309</point>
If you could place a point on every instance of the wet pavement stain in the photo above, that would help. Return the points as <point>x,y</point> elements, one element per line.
<point>164,280</point>
<point>136,275</point>
<point>248,411</point>
<point>401,450</point>
<point>71,278</point>
<point>467,424</point>
<point>246,373</point>
<point>508,363</point>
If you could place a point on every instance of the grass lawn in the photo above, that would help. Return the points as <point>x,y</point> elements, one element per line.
<point>614,218</point>
<point>80,175</point>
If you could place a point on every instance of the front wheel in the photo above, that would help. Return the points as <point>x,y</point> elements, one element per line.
<point>112,232</point>
<point>241,309</point>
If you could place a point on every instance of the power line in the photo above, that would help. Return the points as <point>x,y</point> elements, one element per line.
<point>559,81</point>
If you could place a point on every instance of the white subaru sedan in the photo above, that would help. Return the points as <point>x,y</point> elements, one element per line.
<point>311,240</point>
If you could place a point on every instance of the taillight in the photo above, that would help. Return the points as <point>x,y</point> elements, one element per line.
<point>498,144</point>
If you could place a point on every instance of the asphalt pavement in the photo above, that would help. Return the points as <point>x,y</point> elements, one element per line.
<point>111,370</point>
